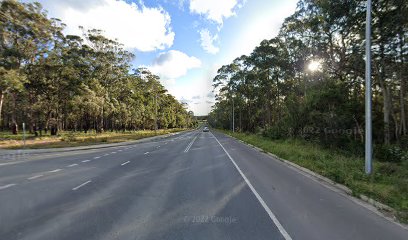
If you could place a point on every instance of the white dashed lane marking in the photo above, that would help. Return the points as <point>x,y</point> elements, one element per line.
<point>83,184</point>
<point>7,186</point>
<point>34,177</point>
<point>123,164</point>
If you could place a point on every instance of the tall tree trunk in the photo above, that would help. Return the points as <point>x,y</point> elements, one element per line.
<point>359,129</point>
<point>386,97</point>
<point>278,99</point>
<point>396,130</point>
<point>240,119</point>
<point>387,113</point>
<point>14,126</point>
<point>30,114</point>
<point>403,127</point>
<point>1,106</point>
<point>100,128</point>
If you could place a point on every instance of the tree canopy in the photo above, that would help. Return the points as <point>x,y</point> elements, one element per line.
<point>274,92</point>
<point>53,81</point>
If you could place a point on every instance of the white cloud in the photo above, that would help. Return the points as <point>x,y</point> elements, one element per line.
<point>181,4</point>
<point>136,26</point>
<point>211,95</point>
<point>173,64</point>
<point>264,24</point>
<point>214,10</point>
<point>207,41</point>
<point>199,83</point>
<point>184,100</point>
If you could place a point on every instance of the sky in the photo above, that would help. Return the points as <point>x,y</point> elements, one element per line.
<point>184,42</point>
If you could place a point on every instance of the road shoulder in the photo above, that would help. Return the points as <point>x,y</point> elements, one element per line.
<point>372,205</point>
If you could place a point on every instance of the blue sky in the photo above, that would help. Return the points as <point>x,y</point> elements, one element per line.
<point>182,41</point>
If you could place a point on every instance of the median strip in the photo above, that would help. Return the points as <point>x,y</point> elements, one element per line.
<point>189,145</point>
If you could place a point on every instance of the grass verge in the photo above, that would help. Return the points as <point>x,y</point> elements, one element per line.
<point>74,139</point>
<point>388,184</point>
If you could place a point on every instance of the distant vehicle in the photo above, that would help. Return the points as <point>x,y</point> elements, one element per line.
<point>206,129</point>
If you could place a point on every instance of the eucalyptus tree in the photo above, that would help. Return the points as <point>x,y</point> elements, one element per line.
<point>25,34</point>
<point>282,97</point>
<point>66,82</point>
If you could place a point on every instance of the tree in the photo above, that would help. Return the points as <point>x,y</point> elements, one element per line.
<point>65,82</point>
<point>25,34</point>
<point>282,98</point>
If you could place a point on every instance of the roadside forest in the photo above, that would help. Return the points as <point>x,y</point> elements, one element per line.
<point>56,82</point>
<point>309,81</point>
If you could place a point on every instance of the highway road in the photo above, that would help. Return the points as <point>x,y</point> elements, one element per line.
<point>193,185</point>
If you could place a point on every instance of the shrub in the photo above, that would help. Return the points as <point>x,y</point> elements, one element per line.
<point>390,153</point>
<point>402,185</point>
<point>404,143</point>
<point>277,132</point>
<point>69,137</point>
<point>388,168</point>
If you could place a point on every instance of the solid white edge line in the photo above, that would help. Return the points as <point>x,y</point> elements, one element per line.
<point>83,184</point>
<point>267,209</point>
<point>125,163</point>
<point>7,186</point>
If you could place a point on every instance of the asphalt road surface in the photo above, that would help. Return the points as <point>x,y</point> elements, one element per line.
<point>193,185</point>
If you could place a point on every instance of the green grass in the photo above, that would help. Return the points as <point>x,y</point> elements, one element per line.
<point>73,139</point>
<point>388,183</point>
